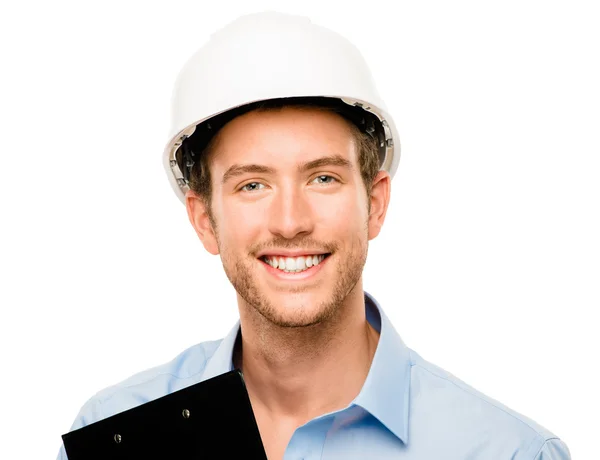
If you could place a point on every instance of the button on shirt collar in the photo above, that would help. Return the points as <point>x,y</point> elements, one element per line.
<point>385,393</point>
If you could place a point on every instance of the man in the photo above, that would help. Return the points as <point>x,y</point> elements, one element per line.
<point>284,153</point>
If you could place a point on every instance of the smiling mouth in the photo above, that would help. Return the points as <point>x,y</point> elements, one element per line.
<point>294,264</point>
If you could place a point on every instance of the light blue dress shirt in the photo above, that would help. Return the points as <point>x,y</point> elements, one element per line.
<point>407,408</point>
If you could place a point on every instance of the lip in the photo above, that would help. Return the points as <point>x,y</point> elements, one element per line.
<point>291,253</point>
<point>312,271</point>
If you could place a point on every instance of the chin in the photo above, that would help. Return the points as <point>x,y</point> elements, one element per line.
<point>296,310</point>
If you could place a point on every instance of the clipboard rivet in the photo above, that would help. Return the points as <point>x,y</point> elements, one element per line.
<point>185,413</point>
<point>118,438</point>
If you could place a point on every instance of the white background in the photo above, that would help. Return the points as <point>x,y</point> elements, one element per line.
<point>488,264</point>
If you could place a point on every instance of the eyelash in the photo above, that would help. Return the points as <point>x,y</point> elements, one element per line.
<point>242,189</point>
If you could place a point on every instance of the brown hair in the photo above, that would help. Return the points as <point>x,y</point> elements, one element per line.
<point>366,145</point>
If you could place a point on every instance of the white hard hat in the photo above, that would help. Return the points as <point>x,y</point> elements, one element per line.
<point>266,56</point>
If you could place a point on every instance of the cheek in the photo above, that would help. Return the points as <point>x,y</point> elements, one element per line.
<point>242,223</point>
<point>343,211</point>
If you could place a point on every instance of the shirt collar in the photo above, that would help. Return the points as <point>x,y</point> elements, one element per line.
<point>222,359</point>
<point>385,393</point>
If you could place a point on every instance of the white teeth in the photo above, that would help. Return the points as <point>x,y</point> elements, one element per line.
<point>294,264</point>
<point>290,264</point>
<point>300,264</point>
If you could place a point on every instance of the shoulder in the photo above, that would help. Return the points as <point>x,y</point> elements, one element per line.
<point>184,370</point>
<point>448,406</point>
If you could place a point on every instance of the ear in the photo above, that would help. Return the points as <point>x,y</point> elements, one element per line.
<point>199,218</point>
<point>380,199</point>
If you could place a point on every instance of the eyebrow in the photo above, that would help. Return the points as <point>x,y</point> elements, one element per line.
<point>332,160</point>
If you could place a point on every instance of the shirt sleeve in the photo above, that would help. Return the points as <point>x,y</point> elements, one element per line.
<point>553,449</point>
<point>89,413</point>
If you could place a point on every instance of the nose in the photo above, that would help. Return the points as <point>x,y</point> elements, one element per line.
<point>290,213</point>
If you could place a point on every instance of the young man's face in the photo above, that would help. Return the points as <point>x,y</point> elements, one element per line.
<point>271,205</point>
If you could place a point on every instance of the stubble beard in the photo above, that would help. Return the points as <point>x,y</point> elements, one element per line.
<point>242,273</point>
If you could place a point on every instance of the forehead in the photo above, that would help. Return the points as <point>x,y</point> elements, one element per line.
<point>282,137</point>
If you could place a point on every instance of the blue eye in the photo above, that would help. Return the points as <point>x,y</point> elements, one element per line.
<point>254,187</point>
<point>326,177</point>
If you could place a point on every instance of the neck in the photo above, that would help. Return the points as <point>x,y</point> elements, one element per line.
<point>301,373</point>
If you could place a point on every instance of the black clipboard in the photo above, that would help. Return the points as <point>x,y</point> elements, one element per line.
<point>212,419</point>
